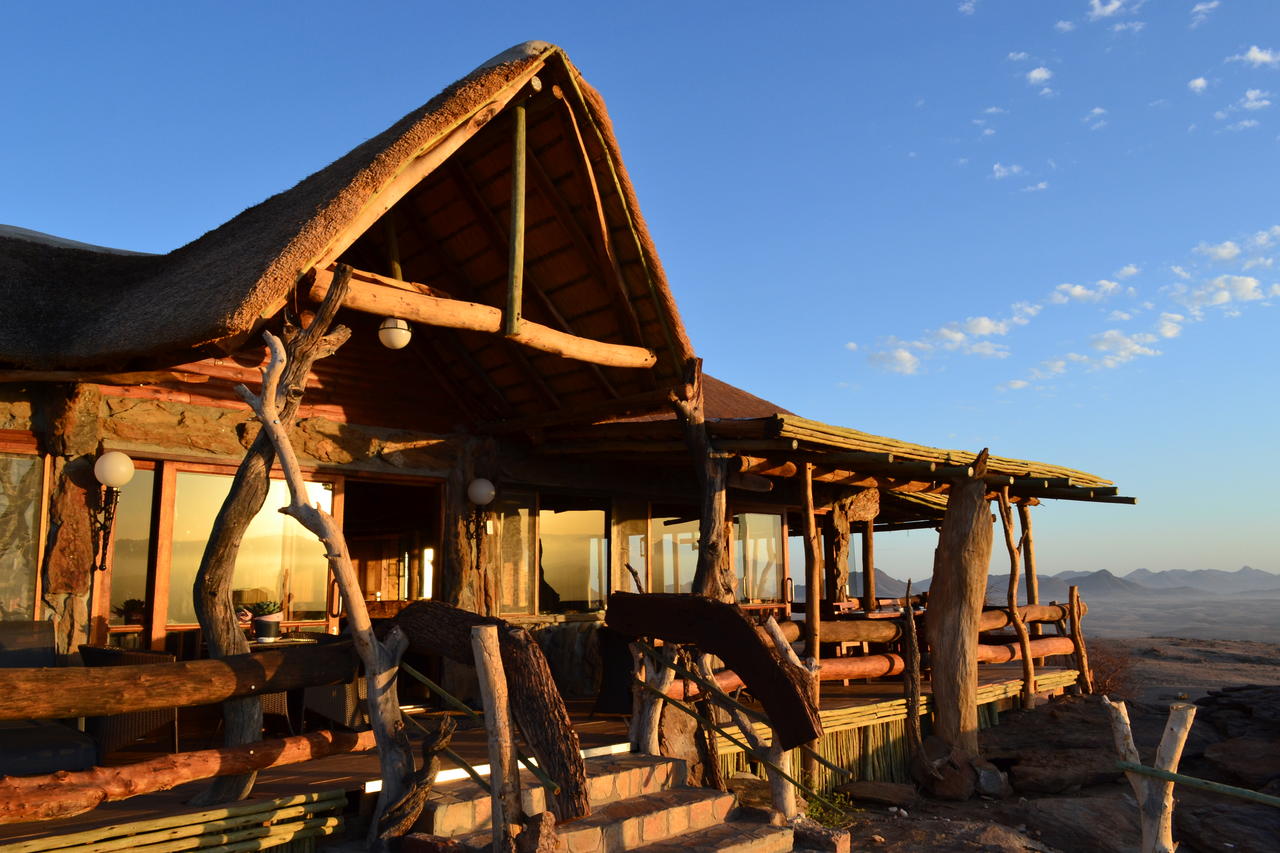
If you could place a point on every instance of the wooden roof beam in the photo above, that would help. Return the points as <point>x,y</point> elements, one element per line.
<point>499,238</point>
<point>375,297</point>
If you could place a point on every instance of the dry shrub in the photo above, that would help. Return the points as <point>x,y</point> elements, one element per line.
<point>1111,663</point>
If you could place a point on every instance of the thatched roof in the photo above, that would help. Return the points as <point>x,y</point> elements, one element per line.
<point>72,306</point>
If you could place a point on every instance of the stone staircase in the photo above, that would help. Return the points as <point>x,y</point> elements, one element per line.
<point>638,803</point>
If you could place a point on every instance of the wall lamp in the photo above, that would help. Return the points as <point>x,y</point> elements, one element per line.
<point>481,493</point>
<point>113,471</point>
<point>395,333</point>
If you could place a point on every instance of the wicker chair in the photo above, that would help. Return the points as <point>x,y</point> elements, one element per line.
<point>119,730</point>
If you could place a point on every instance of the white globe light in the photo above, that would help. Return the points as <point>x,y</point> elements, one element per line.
<point>395,333</point>
<point>113,469</point>
<point>481,492</point>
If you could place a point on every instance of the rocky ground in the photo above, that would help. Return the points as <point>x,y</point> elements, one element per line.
<point>1066,794</point>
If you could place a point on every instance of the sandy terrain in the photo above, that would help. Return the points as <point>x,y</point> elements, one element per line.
<point>1164,669</point>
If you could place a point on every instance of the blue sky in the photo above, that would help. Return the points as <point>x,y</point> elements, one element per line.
<point>1044,227</point>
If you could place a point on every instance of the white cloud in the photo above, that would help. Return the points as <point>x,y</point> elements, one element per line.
<point>1274,290</point>
<point>1035,188</point>
<point>1018,55</point>
<point>1180,272</point>
<point>1013,385</point>
<point>1266,237</point>
<point>851,346</point>
<point>1050,368</point>
<point>1094,113</point>
<point>1243,288</point>
<point>1225,251</point>
<point>967,7</point>
<point>1068,292</point>
<point>995,111</point>
<point>986,131</point>
<point>1104,8</point>
<point>951,337</point>
<point>1023,312</point>
<point>1257,57</point>
<point>1119,348</point>
<point>1119,316</point>
<point>1170,325</point>
<point>1064,26</point>
<point>988,349</point>
<point>899,360</point>
<point>982,326</point>
<point>1259,263</point>
<point>999,170</point>
<point>1128,271</point>
<point>1255,99</point>
<point>1046,92</point>
<point>1130,26</point>
<point>1243,124</point>
<point>1200,12</point>
<point>1198,85</point>
<point>1039,75</point>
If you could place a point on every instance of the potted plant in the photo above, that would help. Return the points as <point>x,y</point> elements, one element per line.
<point>133,611</point>
<point>266,620</point>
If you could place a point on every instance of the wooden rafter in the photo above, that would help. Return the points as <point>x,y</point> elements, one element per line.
<point>376,297</point>
<point>498,238</point>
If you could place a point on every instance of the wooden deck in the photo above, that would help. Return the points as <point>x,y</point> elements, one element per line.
<point>843,708</point>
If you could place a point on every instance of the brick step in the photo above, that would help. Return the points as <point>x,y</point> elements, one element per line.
<point>462,807</point>
<point>630,824</point>
<point>731,837</point>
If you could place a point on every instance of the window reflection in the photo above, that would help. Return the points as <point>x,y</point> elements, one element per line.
<point>574,543</point>
<point>131,545</point>
<point>516,542</point>
<point>675,551</point>
<point>20,478</point>
<point>757,557</point>
<point>278,560</point>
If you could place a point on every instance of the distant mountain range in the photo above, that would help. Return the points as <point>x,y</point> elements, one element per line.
<point>1102,583</point>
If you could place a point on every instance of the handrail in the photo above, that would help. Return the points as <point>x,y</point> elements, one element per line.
<point>1202,784</point>
<point>714,689</point>
<point>545,780</point>
<point>680,706</point>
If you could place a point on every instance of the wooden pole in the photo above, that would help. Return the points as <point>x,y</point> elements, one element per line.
<point>1085,680</point>
<point>381,657</point>
<point>1155,797</point>
<point>955,608</point>
<point>504,770</point>
<point>647,721</point>
<point>211,592</point>
<point>515,270</point>
<point>836,564</point>
<point>1029,558</point>
<point>812,599</point>
<point>869,602</point>
<point>1015,616</point>
<point>911,677</point>
<point>64,794</point>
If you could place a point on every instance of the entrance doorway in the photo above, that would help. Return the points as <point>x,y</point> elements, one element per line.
<point>393,533</point>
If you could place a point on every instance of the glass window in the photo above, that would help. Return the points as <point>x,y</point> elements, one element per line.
<point>675,550</point>
<point>130,547</point>
<point>20,482</point>
<point>279,560</point>
<point>574,544</point>
<point>757,556</point>
<point>516,541</point>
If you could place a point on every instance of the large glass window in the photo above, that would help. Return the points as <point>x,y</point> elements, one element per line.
<point>130,547</point>
<point>675,550</point>
<point>20,482</point>
<point>279,560</point>
<point>573,537</point>
<point>757,556</point>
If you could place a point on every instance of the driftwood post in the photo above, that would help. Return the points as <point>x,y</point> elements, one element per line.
<point>1015,616</point>
<point>812,597</point>
<point>242,717</point>
<point>836,563</point>
<point>381,659</point>
<point>1155,796</point>
<point>870,600</point>
<point>504,772</point>
<point>955,608</point>
<point>1029,559</point>
<point>911,676</point>
<point>1085,679</point>
<point>646,722</point>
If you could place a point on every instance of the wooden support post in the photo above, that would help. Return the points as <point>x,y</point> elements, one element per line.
<point>869,602</point>
<point>1085,680</point>
<point>955,608</point>
<point>836,564</point>
<point>1015,615</point>
<point>812,599</point>
<point>1155,796</point>
<point>646,722</point>
<point>1029,558</point>
<point>911,677</point>
<point>504,771</point>
<point>515,271</point>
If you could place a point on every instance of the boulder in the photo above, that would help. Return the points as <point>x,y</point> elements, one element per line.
<point>883,793</point>
<point>1254,762</point>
